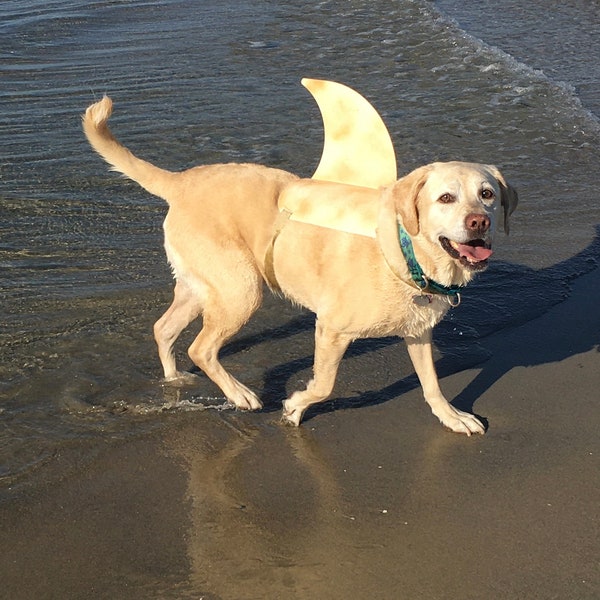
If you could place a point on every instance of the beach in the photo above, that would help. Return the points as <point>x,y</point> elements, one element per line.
<point>372,502</point>
<point>115,484</point>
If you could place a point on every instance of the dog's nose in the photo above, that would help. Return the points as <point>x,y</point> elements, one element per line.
<point>477,222</point>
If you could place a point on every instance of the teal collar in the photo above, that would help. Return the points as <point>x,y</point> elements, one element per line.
<point>425,284</point>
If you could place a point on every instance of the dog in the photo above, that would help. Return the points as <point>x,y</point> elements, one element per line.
<point>226,234</point>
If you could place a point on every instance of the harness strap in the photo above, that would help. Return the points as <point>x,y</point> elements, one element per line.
<point>270,277</point>
<point>424,284</point>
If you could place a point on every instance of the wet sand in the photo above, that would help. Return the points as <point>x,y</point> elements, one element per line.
<point>372,502</point>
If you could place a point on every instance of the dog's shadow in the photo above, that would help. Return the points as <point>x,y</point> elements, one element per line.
<point>515,296</point>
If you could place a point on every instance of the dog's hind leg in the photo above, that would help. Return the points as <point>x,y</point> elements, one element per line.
<point>330,347</point>
<point>226,309</point>
<point>186,306</point>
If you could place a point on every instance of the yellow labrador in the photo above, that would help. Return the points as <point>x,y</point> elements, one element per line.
<point>423,238</point>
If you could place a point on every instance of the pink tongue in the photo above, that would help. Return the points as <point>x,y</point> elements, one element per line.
<point>476,253</point>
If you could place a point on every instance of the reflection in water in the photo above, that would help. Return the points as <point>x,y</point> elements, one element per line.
<point>279,529</point>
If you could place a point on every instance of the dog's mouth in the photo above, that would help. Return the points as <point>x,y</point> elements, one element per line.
<point>474,254</point>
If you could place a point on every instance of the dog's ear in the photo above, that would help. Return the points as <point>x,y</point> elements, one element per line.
<point>405,193</point>
<point>508,197</point>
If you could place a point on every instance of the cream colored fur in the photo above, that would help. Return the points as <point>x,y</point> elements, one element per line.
<point>223,218</point>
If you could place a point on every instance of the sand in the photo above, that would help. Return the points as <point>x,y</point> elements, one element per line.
<point>370,502</point>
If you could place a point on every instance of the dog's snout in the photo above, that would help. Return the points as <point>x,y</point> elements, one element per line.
<point>477,222</point>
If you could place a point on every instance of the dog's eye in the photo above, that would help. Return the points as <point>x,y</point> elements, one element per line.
<point>487,194</point>
<point>446,198</point>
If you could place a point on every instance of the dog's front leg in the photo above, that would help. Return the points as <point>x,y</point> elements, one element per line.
<point>329,350</point>
<point>456,420</point>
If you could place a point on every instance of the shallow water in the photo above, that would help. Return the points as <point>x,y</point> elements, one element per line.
<point>83,271</point>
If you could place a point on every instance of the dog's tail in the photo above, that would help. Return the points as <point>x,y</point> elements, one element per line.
<point>155,180</point>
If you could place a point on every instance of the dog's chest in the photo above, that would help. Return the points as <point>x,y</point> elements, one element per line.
<point>420,313</point>
<point>407,314</point>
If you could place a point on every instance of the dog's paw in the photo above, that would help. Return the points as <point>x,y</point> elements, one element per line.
<point>291,416</point>
<point>244,398</point>
<point>181,378</point>
<point>459,422</point>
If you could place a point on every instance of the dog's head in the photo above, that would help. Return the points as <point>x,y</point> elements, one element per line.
<point>454,205</point>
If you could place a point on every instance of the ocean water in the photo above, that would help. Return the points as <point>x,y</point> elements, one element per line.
<point>83,275</point>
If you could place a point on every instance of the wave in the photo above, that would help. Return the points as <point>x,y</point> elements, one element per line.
<point>562,91</point>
